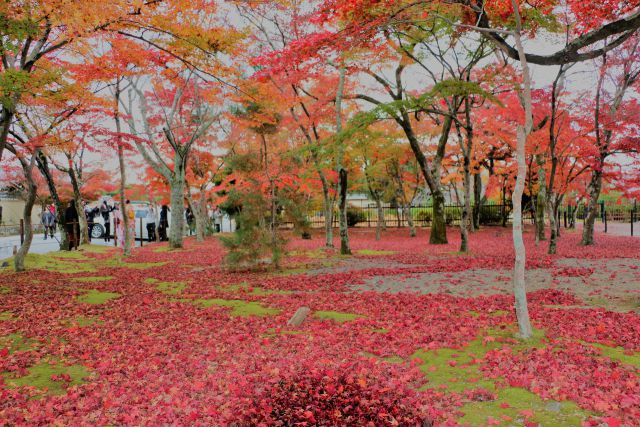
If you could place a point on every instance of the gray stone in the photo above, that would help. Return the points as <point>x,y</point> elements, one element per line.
<point>299,316</point>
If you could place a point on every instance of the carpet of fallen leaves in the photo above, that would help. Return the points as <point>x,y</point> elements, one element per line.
<point>161,355</point>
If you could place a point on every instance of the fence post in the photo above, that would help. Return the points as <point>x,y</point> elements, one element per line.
<point>21,231</point>
<point>141,239</point>
<point>565,216</point>
<point>604,215</point>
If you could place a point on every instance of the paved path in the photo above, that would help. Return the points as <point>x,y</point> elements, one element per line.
<point>39,245</point>
<point>616,228</point>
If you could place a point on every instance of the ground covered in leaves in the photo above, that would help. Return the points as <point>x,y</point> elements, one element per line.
<point>401,333</point>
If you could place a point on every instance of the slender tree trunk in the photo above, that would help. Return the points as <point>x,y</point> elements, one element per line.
<point>202,219</point>
<point>438,234</point>
<point>380,219</point>
<point>328,215</point>
<point>540,199</point>
<point>176,228</point>
<point>77,199</point>
<point>26,213</point>
<point>406,210</point>
<point>477,200</point>
<point>465,220</point>
<point>342,172</point>
<point>519,286</point>
<point>128,238</point>
<point>552,207</point>
<point>595,186</point>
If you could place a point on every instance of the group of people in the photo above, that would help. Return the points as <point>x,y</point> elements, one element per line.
<point>113,213</point>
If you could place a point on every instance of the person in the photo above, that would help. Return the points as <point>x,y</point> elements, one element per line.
<point>105,211</point>
<point>164,223</point>
<point>191,220</point>
<point>71,225</point>
<point>90,214</point>
<point>48,222</point>
<point>151,224</point>
<point>118,224</point>
<point>217,219</point>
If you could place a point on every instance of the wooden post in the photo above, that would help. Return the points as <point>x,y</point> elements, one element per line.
<point>604,215</point>
<point>21,231</point>
<point>115,232</point>
<point>141,239</point>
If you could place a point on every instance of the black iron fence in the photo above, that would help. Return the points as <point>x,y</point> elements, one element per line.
<point>422,215</point>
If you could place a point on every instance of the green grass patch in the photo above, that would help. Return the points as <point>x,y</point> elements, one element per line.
<point>6,315</point>
<point>619,354</point>
<point>120,263</point>
<point>16,342</point>
<point>273,332</point>
<point>458,369</point>
<point>380,331</point>
<point>92,279</point>
<point>239,307</point>
<point>40,377</point>
<point>163,248</point>
<point>336,316</point>
<point>82,321</point>
<point>373,252</point>
<point>94,296</point>
<point>509,407</point>
<point>58,262</point>
<point>169,288</point>
<point>4,290</point>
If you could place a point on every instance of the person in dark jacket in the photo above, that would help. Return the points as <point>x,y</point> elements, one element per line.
<point>105,211</point>
<point>72,225</point>
<point>90,214</point>
<point>164,223</point>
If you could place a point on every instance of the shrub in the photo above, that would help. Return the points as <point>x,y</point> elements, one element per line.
<point>424,216</point>
<point>355,215</point>
<point>491,214</point>
<point>324,397</point>
<point>452,214</point>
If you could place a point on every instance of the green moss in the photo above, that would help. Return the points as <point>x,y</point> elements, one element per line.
<point>83,321</point>
<point>59,262</point>
<point>16,342</point>
<point>240,308</point>
<point>163,248</point>
<point>94,296</point>
<point>171,288</point>
<point>373,252</point>
<point>380,331</point>
<point>97,249</point>
<point>39,376</point>
<point>389,359</point>
<point>92,279</point>
<point>457,369</point>
<point>618,354</point>
<point>4,290</point>
<point>6,315</point>
<point>510,403</point>
<point>336,316</point>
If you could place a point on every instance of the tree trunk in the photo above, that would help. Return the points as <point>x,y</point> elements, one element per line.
<point>344,230</point>
<point>406,210</point>
<point>123,176</point>
<point>328,215</point>
<point>438,234</point>
<point>595,186</point>
<point>176,228</point>
<point>477,200</point>
<point>342,172</point>
<point>123,205</point>
<point>380,219</point>
<point>552,207</point>
<point>540,199</point>
<point>77,199</point>
<point>26,213</point>
<point>201,217</point>
<point>465,220</point>
<point>519,287</point>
